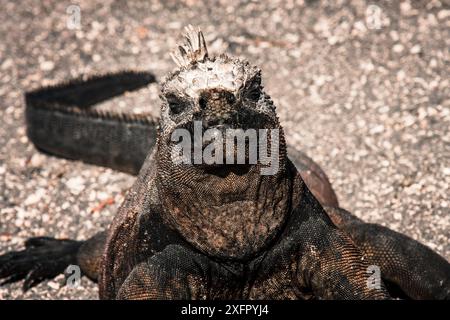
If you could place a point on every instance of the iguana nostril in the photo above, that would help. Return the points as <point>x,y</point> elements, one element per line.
<point>231,99</point>
<point>202,102</point>
<point>216,99</point>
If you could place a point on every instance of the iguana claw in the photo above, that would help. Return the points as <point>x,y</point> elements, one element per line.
<point>43,258</point>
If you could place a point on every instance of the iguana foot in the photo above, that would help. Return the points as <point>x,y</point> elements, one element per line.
<point>43,258</point>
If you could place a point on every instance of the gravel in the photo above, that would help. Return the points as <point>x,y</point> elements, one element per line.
<point>361,86</point>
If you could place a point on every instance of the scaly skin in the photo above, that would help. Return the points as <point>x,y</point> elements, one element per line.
<point>60,121</point>
<point>221,231</point>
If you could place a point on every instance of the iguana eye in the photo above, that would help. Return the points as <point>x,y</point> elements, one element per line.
<point>253,94</point>
<point>176,106</point>
<point>253,90</point>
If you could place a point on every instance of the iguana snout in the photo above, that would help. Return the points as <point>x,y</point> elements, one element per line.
<point>218,107</point>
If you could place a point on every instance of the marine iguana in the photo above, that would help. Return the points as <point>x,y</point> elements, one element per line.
<point>188,231</point>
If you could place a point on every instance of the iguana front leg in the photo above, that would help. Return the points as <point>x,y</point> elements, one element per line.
<point>45,258</point>
<point>334,268</point>
<point>178,273</point>
<point>322,260</point>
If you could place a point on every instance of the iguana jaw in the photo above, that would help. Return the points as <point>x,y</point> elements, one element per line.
<point>222,210</point>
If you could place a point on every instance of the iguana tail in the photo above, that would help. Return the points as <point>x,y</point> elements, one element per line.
<point>61,121</point>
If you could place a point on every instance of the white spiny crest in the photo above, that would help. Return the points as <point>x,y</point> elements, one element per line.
<point>194,48</point>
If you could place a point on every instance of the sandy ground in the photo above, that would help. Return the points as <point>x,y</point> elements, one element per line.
<point>362,88</point>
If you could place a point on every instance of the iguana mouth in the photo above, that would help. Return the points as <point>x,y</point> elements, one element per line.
<point>224,170</point>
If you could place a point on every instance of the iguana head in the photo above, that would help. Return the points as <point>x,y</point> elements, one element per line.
<point>218,205</point>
